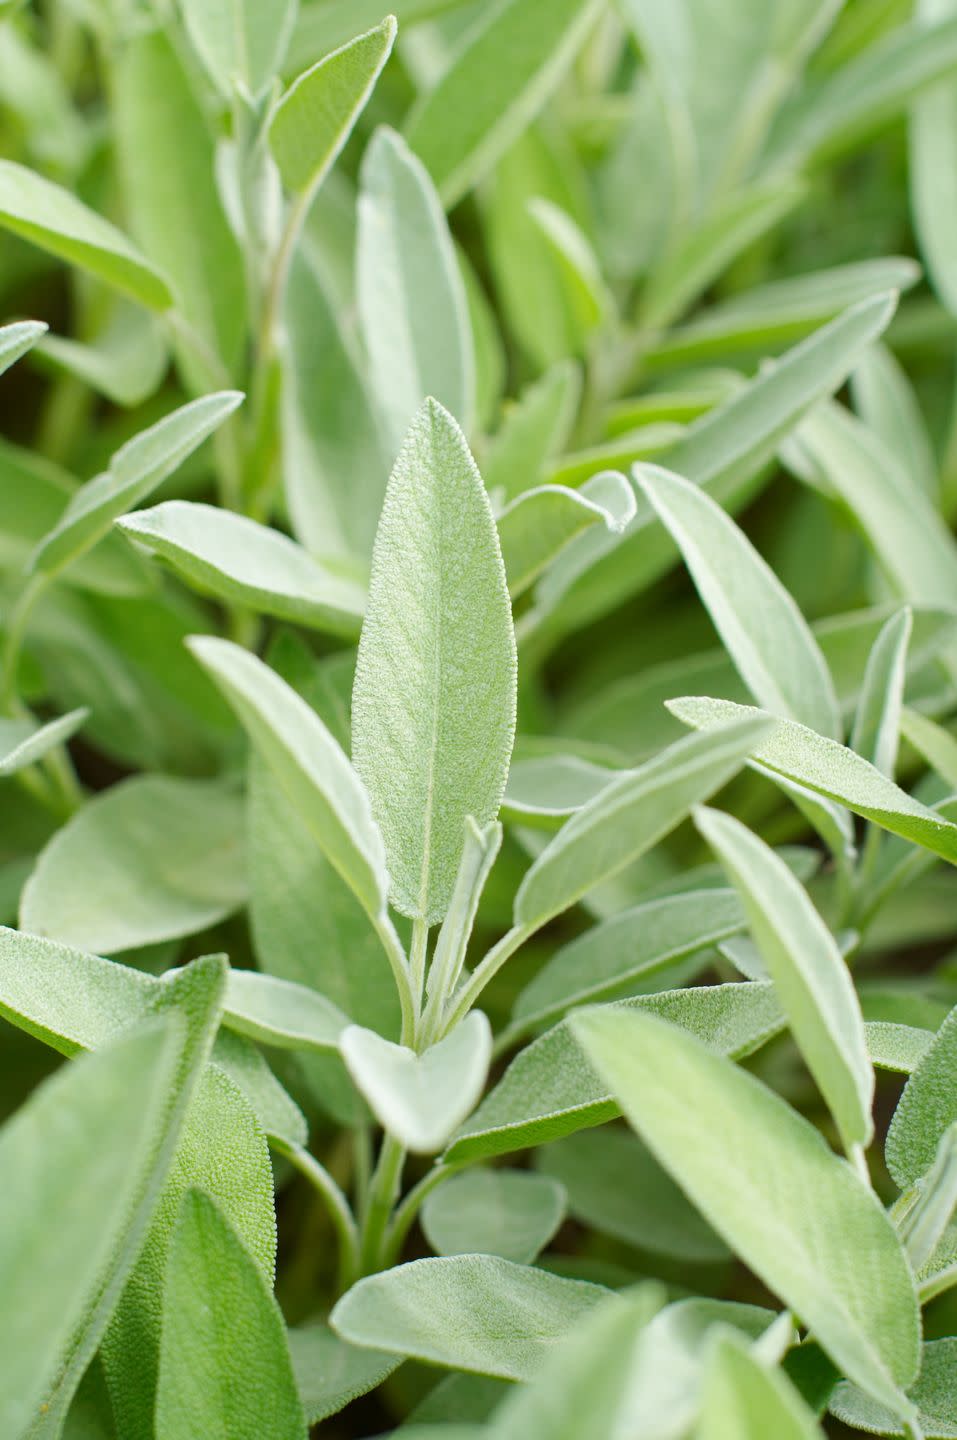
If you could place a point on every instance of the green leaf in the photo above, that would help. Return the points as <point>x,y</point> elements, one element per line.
<point>549,1090</point>
<point>628,949</point>
<point>537,526</point>
<point>510,1213</point>
<point>543,790</point>
<point>234,559</point>
<point>320,28</point>
<point>22,742</point>
<point>420,1099</point>
<point>927,1108</point>
<point>56,221</point>
<point>413,311</point>
<point>17,339</point>
<point>616,1186</point>
<point>494,87</point>
<point>589,303</point>
<point>152,858</point>
<point>831,770</point>
<point>126,361</point>
<point>134,471</point>
<point>808,970</point>
<point>937,745</point>
<point>330,1373</point>
<point>896,1047</point>
<point>434,696</point>
<point>225,1368</point>
<point>625,819</point>
<point>934,1395</point>
<point>281,1013</point>
<point>745,1400</point>
<point>534,430</point>
<point>468,1312</point>
<point>307,764</point>
<point>748,1162</point>
<point>762,628</point>
<point>877,723</point>
<point>241,43</point>
<point>74,1159</point>
<point>316,116</point>
<point>887,403</point>
<point>479,854</point>
<point>276,1111</point>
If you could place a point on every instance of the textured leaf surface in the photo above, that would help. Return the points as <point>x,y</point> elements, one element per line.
<point>281,1013</point>
<point>538,525</point>
<point>330,1372</point>
<point>927,1107</point>
<point>434,696</point>
<point>509,1213</point>
<point>934,1395</point>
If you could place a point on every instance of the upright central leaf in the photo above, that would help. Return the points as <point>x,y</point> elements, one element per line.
<point>434,697</point>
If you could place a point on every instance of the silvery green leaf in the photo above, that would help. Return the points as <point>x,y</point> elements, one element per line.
<point>936,744</point>
<point>543,790</point>
<point>434,696</point>
<point>75,1158</point>
<point>125,362</point>
<point>540,522</point>
<point>831,770</point>
<point>281,1013</point>
<point>134,471</point>
<point>467,1312</point>
<point>420,1099</point>
<point>510,1213</point>
<point>924,1213</point>
<point>494,86</point>
<point>330,1373</point>
<point>747,1161</point>
<point>745,1400</point>
<point>932,135</point>
<point>321,28</point>
<point>549,1090</point>
<point>810,976</point>
<point>762,628</point>
<point>534,429</point>
<point>234,1381</point>
<point>240,42</point>
<point>887,403</point>
<point>877,724</point>
<point>315,117</point>
<point>17,339</point>
<point>237,560</point>
<point>934,1397</point>
<point>589,302</point>
<point>413,312</point>
<point>54,219</point>
<point>896,1047</point>
<point>307,764</point>
<point>151,858</point>
<point>22,742</point>
<point>625,819</point>
<point>927,1108</point>
<point>277,1112</point>
<point>479,854</point>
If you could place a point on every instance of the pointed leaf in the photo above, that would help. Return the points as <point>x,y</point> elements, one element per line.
<point>927,1108</point>
<point>877,724</point>
<point>533,431</point>
<point>17,339</point>
<point>745,1400</point>
<point>240,42</point>
<point>538,525</point>
<point>22,743</point>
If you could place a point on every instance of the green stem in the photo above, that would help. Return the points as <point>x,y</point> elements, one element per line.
<point>278,280</point>
<point>400,973</point>
<point>420,943</point>
<point>337,1207</point>
<point>483,973</point>
<point>405,1215</point>
<point>382,1196</point>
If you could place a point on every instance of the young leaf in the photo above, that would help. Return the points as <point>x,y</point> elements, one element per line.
<point>538,525</point>
<point>937,745</point>
<point>237,560</point>
<point>469,1312</point>
<point>22,743</point>
<point>240,42</point>
<point>135,470</point>
<point>927,1108</point>
<point>549,1090</point>
<point>626,818</point>
<point>808,971</point>
<point>224,1366</point>
<point>831,770</point>
<point>588,301</point>
<point>695,1111</point>
<point>17,339</point>
<point>434,696</point>
<point>125,361</point>
<point>877,723</point>
<point>150,859</point>
<point>316,116</point>
<point>330,1373</point>
<point>479,854</point>
<point>74,1159</point>
<point>413,311</point>
<point>762,628</point>
<point>420,1099</point>
<point>887,403</point>
<point>934,1396</point>
<point>306,762</point>
<point>745,1400</point>
<point>494,87</point>
<point>281,1013</point>
<point>534,430</point>
<point>510,1213</point>
<point>53,218</point>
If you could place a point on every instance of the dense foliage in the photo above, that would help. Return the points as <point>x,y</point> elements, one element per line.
<point>479,671</point>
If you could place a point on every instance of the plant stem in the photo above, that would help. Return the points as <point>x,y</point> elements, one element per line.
<point>405,1215</point>
<point>420,943</point>
<point>382,1196</point>
<point>400,973</point>
<point>483,973</point>
<point>337,1207</point>
<point>278,280</point>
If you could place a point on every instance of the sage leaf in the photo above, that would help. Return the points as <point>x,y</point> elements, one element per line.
<point>927,1108</point>
<point>933,1396</point>
<point>234,559</point>
<point>625,819</point>
<point>232,1380</point>
<point>543,790</point>
<point>509,1213</point>
<point>744,1400</point>
<point>937,745</point>
<point>281,1013</point>
<point>533,431</point>
<point>538,525</point>
<point>316,115</point>
<point>22,743</point>
<point>17,339</point>
<point>330,1373</point>
<point>54,219</point>
<point>896,1047</point>
<point>887,403</point>
<point>420,1099</point>
<point>690,1105</point>
<point>240,42</point>
<point>434,696</point>
<point>877,724</point>
<point>468,1312</point>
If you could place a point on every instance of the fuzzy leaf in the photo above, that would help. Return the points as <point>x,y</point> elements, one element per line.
<point>934,1395</point>
<point>281,1013</point>
<point>241,42</point>
<point>877,724</point>
<point>510,1213</point>
<point>17,339</point>
<point>538,525</point>
<point>22,742</point>
<point>745,1400</point>
<point>330,1373</point>
<point>926,1109</point>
